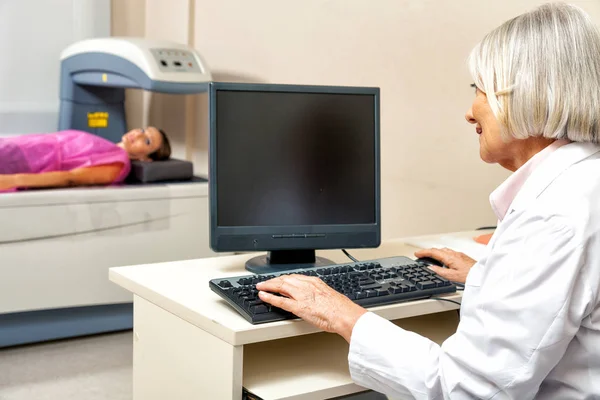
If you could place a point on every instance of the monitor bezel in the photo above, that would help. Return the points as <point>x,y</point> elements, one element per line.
<point>263,238</point>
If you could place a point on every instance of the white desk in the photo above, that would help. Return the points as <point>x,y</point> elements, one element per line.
<point>189,344</point>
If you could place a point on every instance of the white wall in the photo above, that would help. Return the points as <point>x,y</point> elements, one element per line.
<point>32,35</point>
<point>414,50</point>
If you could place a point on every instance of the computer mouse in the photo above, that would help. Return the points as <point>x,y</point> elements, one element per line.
<point>430,261</point>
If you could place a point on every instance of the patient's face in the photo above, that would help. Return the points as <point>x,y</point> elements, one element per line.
<point>140,143</point>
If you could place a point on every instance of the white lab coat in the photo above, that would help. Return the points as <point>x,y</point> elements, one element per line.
<point>530,315</point>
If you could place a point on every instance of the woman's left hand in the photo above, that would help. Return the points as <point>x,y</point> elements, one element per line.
<point>7,182</point>
<point>314,301</point>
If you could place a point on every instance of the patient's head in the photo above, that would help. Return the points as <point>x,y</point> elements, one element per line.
<point>146,144</point>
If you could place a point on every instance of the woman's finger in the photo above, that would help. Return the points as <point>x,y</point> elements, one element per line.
<point>443,272</point>
<point>306,279</point>
<point>282,284</point>
<point>278,301</point>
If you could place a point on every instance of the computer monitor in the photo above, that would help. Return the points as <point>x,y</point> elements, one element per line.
<point>293,169</point>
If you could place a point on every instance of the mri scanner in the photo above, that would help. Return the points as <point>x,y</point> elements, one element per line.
<point>57,245</point>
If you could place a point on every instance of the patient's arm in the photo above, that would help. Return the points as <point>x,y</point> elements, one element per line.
<point>88,176</point>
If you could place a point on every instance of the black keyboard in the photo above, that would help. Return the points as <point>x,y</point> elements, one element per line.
<point>369,284</point>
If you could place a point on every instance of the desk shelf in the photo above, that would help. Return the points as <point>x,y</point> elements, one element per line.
<point>315,366</point>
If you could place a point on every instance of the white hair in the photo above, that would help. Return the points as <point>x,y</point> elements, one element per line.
<point>541,74</point>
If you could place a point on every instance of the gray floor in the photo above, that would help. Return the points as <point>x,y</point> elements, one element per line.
<point>90,368</point>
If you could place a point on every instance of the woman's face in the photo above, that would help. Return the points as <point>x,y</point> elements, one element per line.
<point>140,143</point>
<point>492,148</point>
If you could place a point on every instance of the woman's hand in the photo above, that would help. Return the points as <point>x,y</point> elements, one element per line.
<point>459,264</point>
<point>7,182</point>
<point>314,301</point>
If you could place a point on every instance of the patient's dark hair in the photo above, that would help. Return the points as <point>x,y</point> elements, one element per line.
<point>164,151</point>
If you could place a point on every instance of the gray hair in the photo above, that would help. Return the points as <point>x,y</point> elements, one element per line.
<point>541,74</point>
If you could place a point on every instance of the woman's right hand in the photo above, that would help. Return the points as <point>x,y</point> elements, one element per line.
<point>459,264</point>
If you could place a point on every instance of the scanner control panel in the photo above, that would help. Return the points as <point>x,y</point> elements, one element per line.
<point>175,60</point>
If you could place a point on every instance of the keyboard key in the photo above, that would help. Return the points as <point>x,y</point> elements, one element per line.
<point>395,290</point>
<point>261,309</point>
<point>371,293</point>
<point>225,284</point>
<point>425,285</point>
<point>381,292</point>
<point>445,282</point>
<point>360,295</point>
<point>372,286</point>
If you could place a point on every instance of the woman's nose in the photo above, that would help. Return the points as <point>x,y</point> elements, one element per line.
<point>469,116</point>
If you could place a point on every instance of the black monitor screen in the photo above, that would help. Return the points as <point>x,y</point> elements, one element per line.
<point>292,158</point>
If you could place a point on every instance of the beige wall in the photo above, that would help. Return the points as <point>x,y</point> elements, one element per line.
<point>414,50</point>
<point>128,19</point>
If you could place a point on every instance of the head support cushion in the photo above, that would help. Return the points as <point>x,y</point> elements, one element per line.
<point>160,171</point>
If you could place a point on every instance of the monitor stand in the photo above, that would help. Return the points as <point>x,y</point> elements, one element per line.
<point>284,260</point>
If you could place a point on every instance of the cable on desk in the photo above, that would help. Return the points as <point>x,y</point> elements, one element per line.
<point>448,300</point>
<point>349,256</point>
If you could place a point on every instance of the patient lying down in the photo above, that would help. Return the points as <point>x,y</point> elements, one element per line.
<point>76,158</point>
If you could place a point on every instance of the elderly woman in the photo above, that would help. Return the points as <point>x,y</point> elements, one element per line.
<point>530,317</point>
